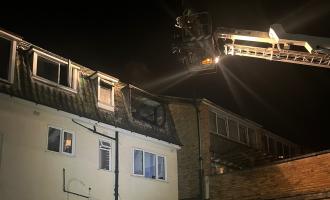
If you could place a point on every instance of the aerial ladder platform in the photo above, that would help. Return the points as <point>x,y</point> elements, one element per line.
<point>200,48</point>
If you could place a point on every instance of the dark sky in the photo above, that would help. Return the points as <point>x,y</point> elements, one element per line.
<point>132,40</point>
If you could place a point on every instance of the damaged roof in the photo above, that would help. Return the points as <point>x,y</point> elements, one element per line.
<point>83,101</point>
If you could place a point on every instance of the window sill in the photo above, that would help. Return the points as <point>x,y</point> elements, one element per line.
<point>60,153</point>
<point>150,179</point>
<point>105,106</point>
<point>48,82</point>
<point>106,171</point>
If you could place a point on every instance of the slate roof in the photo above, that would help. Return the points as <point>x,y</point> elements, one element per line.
<point>84,102</point>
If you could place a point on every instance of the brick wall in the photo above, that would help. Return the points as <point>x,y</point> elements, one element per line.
<point>304,178</point>
<point>184,116</point>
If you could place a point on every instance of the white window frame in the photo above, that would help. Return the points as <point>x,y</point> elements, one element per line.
<point>110,81</point>
<point>73,75</point>
<point>247,134</point>
<point>156,155</point>
<point>110,154</point>
<point>62,140</point>
<point>12,60</point>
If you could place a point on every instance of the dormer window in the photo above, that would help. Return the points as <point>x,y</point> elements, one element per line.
<point>54,71</point>
<point>147,109</point>
<point>8,44</point>
<point>105,90</point>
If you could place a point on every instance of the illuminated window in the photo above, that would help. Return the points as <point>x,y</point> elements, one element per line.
<point>54,71</point>
<point>7,58</point>
<point>60,141</point>
<point>105,154</point>
<point>105,90</point>
<point>149,165</point>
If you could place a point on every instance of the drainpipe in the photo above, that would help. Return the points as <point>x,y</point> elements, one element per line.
<point>200,158</point>
<point>116,139</point>
<point>117,167</point>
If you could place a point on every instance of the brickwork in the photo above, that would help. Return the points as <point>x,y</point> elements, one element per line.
<point>304,178</point>
<point>184,116</point>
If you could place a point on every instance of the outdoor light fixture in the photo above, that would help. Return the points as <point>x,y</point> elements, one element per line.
<point>209,61</point>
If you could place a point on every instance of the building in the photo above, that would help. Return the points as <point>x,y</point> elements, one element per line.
<point>216,141</point>
<point>60,123</point>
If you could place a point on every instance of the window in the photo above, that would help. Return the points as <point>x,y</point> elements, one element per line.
<point>212,122</point>
<point>233,129</point>
<point>54,71</point>
<point>252,137</point>
<point>217,124</point>
<point>105,90</point>
<point>148,110</point>
<point>161,167</point>
<point>67,142</point>
<point>149,165</point>
<point>222,126</point>
<point>243,134</point>
<point>105,93</point>
<point>60,141</point>
<point>138,162</point>
<point>264,143</point>
<point>105,154</point>
<point>7,59</point>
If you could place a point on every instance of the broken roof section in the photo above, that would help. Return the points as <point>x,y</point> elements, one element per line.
<point>82,93</point>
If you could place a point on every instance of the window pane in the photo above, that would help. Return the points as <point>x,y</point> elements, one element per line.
<point>47,69</point>
<point>279,148</point>
<point>150,165</point>
<point>161,168</point>
<point>54,139</point>
<point>212,122</point>
<point>243,134</point>
<point>138,162</point>
<point>252,137</point>
<point>67,142</point>
<point>222,126</point>
<point>5,46</point>
<point>105,159</point>
<point>233,132</point>
<point>105,93</point>
<point>64,75</point>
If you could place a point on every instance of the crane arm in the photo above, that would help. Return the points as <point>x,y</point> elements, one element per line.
<point>276,45</point>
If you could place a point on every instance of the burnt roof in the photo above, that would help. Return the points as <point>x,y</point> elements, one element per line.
<point>84,102</point>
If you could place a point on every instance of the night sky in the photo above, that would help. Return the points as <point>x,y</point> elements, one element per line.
<point>131,40</point>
